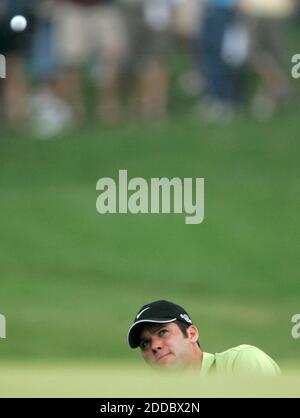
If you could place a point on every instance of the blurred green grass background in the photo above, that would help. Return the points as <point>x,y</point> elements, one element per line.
<point>72,280</point>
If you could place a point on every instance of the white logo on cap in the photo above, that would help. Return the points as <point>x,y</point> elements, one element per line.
<point>186,318</point>
<point>140,313</point>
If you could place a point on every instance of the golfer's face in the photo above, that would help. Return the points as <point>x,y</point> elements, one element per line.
<point>165,345</point>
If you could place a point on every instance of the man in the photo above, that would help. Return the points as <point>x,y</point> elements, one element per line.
<point>91,33</point>
<point>149,25</point>
<point>14,46</point>
<point>222,47</point>
<point>168,338</point>
<point>269,53</point>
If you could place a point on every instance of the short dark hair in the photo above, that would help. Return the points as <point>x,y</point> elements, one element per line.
<point>183,327</point>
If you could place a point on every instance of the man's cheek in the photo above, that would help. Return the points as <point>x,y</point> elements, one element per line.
<point>145,357</point>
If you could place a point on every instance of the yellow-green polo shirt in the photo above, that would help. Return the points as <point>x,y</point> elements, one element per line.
<point>244,360</point>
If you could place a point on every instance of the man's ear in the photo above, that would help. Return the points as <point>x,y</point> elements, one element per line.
<point>193,333</point>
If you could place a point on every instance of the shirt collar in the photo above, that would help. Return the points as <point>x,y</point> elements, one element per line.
<point>208,361</point>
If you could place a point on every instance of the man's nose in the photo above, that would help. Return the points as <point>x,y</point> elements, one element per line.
<point>156,344</point>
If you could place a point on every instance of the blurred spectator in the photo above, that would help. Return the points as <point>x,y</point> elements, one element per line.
<point>266,20</point>
<point>186,19</point>
<point>44,63</point>
<point>188,14</point>
<point>149,27</point>
<point>50,114</point>
<point>91,31</point>
<point>14,46</point>
<point>223,51</point>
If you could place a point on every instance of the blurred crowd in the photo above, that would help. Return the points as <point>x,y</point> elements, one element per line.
<point>118,52</point>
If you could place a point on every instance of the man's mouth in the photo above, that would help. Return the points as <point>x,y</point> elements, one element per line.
<point>163,357</point>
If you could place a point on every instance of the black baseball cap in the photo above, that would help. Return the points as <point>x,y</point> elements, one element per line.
<point>159,312</point>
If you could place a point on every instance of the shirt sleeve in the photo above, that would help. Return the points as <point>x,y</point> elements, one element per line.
<point>253,362</point>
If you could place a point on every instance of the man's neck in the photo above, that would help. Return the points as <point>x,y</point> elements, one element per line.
<point>197,358</point>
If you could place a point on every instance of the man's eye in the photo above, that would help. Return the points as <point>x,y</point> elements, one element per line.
<point>144,345</point>
<point>162,332</point>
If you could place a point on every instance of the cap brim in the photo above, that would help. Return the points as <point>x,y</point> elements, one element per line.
<point>134,330</point>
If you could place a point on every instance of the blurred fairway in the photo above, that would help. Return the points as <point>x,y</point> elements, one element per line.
<point>124,381</point>
<point>72,280</point>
